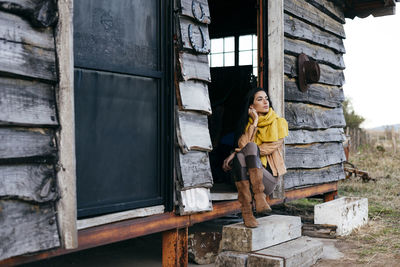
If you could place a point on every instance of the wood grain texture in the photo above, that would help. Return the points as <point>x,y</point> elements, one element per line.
<point>27,60</point>
<point>66,176</point>
<point>194,96</point>
<point>26,103</point>
<point>25,143</point>
<point>324,95</point>
<point>194,67</point>
<point>297,29</point>
<point>329,75</point>
<point>30,182</point>
<point>193,131</point>
<point>26,228</point>
<point>308,12</point>
<point>40,13</point>
<point>194,200</point>
<point>186,9</point>
<point>276,90</point>
<point>307,116</point>
<point>335,11</point>
<point>303,177</point>
<point>319,136</point>
<point>202,41</point>
<point>319,53</point>
<point>311,156</point>
<point>16,29</point>
<point>194,170</point>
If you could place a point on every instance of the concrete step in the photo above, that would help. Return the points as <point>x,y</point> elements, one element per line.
<point>271,230</point>
<point>301,252</point>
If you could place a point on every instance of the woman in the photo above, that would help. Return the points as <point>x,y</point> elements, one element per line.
<point>258,157</point>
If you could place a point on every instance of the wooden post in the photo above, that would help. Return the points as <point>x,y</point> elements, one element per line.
<point>175,248</point>
<point>330,196</point>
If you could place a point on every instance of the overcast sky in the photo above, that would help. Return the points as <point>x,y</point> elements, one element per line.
<point>373,68</point>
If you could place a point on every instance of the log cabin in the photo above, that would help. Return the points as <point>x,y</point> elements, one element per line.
<point>115,115</point>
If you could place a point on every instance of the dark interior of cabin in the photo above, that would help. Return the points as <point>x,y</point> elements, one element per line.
<point>233,62</point>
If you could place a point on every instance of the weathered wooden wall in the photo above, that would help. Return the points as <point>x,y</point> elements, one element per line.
<point>192,162</point>
<point>314,151</point>
<point>28,126</point>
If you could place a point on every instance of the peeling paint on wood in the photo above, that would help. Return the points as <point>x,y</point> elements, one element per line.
<point>194,96</point>
<point>307,116</point>
<point>30,182</point>
<point>313,156</point>
<point>26,228</point>
<point>194,67</point>
<point>324,95</point>
<point>26,103</point>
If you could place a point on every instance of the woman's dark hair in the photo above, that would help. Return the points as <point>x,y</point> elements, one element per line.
<point>244,114</point>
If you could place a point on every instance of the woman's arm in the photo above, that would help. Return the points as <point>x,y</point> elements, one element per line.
<point>226,165</point>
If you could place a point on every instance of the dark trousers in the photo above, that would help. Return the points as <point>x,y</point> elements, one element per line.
<point>249,157</point>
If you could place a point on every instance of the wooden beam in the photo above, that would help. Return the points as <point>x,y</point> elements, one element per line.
<point>330,196</point>
<point>175,248</point>
<point>119,231</point>
<point>276,90</point>
<point>66,176</point>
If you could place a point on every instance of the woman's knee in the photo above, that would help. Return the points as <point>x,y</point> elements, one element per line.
<point>250,149</point>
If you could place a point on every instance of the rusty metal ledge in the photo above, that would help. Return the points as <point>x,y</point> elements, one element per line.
<point>128,229</point>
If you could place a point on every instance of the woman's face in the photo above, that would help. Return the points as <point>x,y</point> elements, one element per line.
<point>261,102</point>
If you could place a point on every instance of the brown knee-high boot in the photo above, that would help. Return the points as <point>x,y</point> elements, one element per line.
<point>244,197</point>
<point>256,176</point>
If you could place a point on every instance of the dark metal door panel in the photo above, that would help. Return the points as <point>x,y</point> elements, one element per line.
<point>117,136</point>
<point>117,35</point>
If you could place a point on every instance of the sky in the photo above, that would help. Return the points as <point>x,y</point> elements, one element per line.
<point>373,68</point>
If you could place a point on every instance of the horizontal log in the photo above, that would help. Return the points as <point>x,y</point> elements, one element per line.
<point>194,170</point>
<point>193,131</point>
<point>30,182</point>
<point>27,60</point>
<point>308,137</point>
<point>298,29</point>
<point>303,177</point>
<point>16,29</point>
<point>40,13</point>
<point>194,67</point>
<point>26,143</point>
<point>194,36</point>
<point>330,8</point>
<point>307,12</point>
<point>201,11</point>
<point>328,75</point>
<point>312,156</point>
<point>319,53</point>
<point>324,95</point>
<point>26,228</point>
<point>26,103</point>
<point>194,96</point>
<point>307,116</point>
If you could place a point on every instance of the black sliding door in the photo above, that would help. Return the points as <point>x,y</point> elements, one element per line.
<point>121,104</point>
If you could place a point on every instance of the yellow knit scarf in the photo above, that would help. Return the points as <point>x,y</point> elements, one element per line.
<point>270,128</point>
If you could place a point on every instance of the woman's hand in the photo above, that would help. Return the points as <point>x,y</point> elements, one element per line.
<point>226,165</point>
<point>254,115</point>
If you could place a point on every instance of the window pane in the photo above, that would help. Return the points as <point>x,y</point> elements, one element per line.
<point>255,71</point>
<point>217,45</point>
<point>245,42</point>
<point>245,58</point>
<point>229,44</point>
<point>254,41</point>
<point>255,61</point>
<point>217,60</point>
<point>229,59</point>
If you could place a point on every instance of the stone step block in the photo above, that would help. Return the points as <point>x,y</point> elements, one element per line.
<point>347,213</point>
<point>271,231</point>
<point>301,252</point>
<point>231,259</point>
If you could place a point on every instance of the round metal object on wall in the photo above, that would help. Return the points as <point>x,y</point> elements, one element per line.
<point>308,72</point>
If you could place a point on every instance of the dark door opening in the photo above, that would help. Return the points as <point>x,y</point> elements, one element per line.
<point>234,70</point>
<point>122,108</point>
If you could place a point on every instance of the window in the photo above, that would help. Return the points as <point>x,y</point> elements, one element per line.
<point>248,51</point>
<point>224,52</point>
